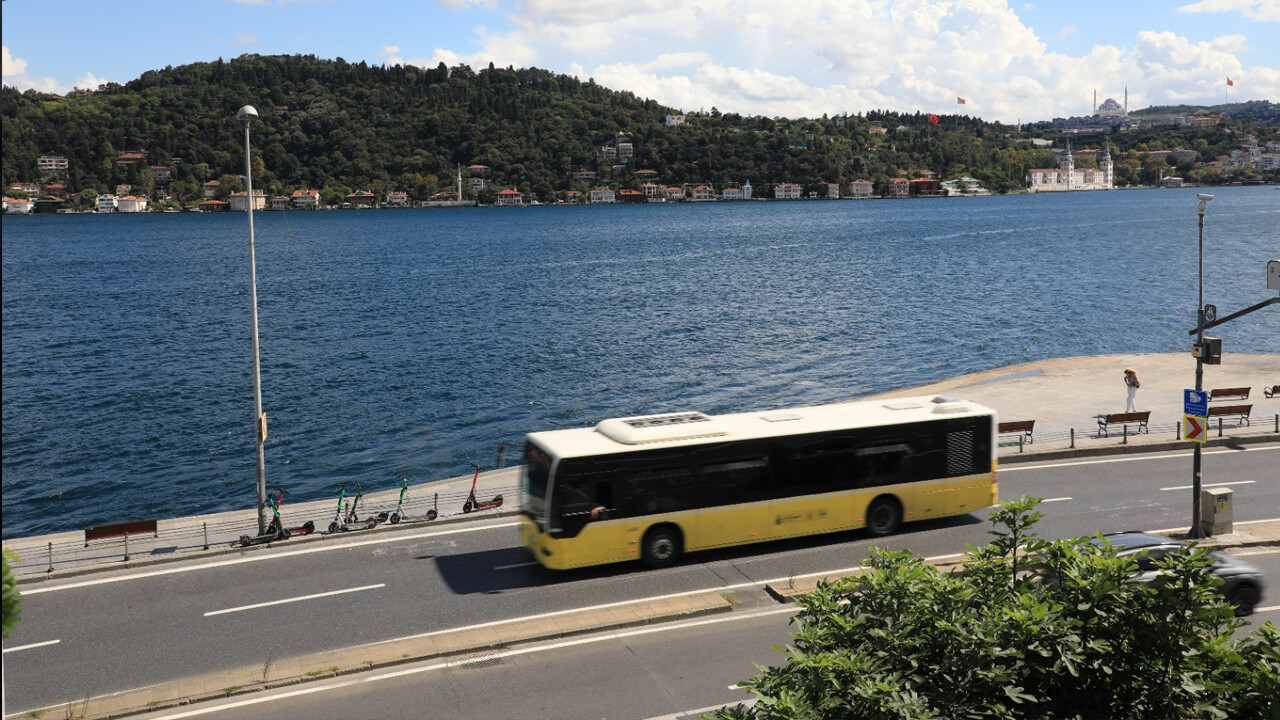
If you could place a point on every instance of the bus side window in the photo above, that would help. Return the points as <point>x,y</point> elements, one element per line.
<point>882,465</point>
<point>576,497</point>
<point>733,482</point>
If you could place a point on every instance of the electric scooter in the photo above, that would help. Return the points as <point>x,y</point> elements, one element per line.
<point>349,520</point>
<point>275,528</point>
<point>397,515</point>
<point>472,503</point>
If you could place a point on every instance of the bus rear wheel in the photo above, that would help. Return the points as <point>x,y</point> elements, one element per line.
<point>661,547</point>
<point>884,515</point>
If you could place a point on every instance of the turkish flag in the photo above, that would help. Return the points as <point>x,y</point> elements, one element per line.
<point>959,101</point>
<point>933,118</point>
<point>1229,82</point>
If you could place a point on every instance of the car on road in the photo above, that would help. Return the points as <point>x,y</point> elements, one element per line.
<point>1242,581</point>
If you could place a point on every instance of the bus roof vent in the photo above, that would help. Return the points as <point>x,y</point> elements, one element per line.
<point>946,405</point>
<point>659,428</point>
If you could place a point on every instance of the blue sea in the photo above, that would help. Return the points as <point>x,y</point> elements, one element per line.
<point>415,342</point>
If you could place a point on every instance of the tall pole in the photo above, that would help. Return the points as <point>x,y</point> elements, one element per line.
<point>1196,531</point>
<point>248,114</point>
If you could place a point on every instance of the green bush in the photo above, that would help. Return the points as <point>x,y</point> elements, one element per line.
<point>998,640</point>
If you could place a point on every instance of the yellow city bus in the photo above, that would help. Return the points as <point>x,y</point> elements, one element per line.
<point>658,486</point>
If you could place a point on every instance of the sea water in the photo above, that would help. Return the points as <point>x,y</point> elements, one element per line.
<point>415,342</point>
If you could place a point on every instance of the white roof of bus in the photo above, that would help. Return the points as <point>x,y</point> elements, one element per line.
<point>600,440</point>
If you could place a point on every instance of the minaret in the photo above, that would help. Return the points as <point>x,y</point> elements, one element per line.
<point>1106,166</point>
<point>1126,101</point>
<point>1095,102</point>
<point>1067,165</point>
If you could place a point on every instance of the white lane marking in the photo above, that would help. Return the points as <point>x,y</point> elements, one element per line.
<point>324,547</point>
<point>1063,499</point>
<point>295,599</point>
<point>1208,485</point>
<point>1269,551</point>
<point>258,699</point>
<point>32,645</point>
<point>1020,467</point>
<point>702,711</point>
<point>1184,527</point>
<point>508,567</point>
<point>1268,608</point>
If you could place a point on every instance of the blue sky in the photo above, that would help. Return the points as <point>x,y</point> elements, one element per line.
<point>1010,60</point>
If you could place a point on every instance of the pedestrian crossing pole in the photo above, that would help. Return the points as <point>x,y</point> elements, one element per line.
<point>1196,531</point>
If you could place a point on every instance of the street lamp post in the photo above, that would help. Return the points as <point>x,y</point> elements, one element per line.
<point>249,114</point>
<point>1196,531</point>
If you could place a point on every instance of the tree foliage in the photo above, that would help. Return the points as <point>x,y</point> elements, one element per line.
<point>999,641</point>
<point>11,600</point>
<point>330,123</point>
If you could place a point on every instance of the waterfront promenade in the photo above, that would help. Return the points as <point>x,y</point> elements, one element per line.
<point>1063,396</point>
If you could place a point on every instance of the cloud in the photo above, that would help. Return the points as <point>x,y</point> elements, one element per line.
<point>15,75</point>
<point>12,65</point>
<point>1257,10</point>
<point>813,57</point>
<point>1066,32</point>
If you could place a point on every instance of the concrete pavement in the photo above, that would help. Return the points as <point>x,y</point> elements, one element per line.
<point>1062,396</point>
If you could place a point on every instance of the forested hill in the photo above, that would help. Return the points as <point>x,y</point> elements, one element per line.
<point>339,126</point>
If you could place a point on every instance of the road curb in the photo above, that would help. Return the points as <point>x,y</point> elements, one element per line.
<point>225,547</point>
<point>794,588</point>
<point>454,646</point>
<point>1132,449</point>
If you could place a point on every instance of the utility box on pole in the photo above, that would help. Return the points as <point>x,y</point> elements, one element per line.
<point>1215,511</point>
<point>1210,351</point>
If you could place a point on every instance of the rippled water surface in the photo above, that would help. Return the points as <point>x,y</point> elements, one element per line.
<point>416,342</point>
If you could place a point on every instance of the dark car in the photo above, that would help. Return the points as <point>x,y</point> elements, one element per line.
<point>1242,582</point>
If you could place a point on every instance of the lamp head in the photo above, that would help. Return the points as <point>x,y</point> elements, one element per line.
<point>248,113</point>
<point>1204,200</point>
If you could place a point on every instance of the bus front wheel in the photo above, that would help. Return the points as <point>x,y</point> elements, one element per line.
<point>661,547</point>
<point>884,515</point>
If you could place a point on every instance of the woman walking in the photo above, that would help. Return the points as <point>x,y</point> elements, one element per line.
<point>1131,381</point>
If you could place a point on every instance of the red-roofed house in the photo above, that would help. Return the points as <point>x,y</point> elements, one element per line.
<point>509,197</point>
<point>360,198</point>
<point>309,199</point>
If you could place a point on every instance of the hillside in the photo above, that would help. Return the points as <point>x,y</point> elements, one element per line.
<point>337,126</point>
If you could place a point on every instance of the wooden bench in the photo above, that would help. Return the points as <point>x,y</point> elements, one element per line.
<point>1019,426</point>
<point>1229,394</point>
<point>1273,391</point>
<point>136,527</point>
<point>1126,418</point>
<point>1240,411</point>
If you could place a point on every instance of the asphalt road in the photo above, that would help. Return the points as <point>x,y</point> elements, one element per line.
<point>121,630</point>
<point>671,672</point>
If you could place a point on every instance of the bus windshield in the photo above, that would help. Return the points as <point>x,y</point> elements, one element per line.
<point>533,481</point>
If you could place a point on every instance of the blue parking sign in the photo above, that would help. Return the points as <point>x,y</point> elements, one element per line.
<point>1195,402</point>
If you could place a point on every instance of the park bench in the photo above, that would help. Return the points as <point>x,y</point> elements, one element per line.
<point>1126,418</point>
<point>1273,391</point>
<point>1229,394</point>
<point>1236,411</point>
<point>1023,427</point>
<point>135,527</point>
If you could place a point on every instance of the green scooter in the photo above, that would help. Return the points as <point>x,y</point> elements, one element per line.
<point>395,516</point>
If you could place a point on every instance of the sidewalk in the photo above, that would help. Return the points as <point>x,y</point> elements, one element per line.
<point>1062,396</point>
<point>1065,396</point>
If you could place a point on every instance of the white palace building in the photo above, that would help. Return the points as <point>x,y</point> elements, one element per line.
<point>1066,177</point>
